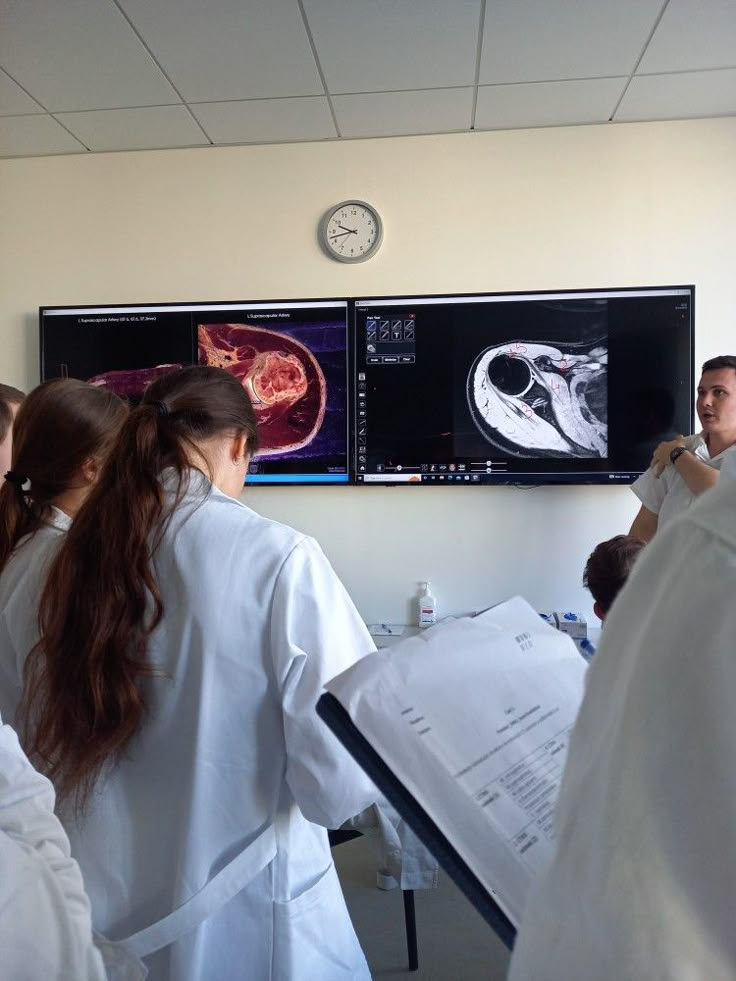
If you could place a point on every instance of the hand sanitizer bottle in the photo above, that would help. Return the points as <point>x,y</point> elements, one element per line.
<point>427,607</point>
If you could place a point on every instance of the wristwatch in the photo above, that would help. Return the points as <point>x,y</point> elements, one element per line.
<point>677,453</point>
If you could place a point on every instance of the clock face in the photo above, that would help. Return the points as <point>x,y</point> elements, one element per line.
<point>351,232</point>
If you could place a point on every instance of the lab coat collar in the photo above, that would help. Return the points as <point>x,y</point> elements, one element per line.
<point>198,488</point>
<point>59,519</point>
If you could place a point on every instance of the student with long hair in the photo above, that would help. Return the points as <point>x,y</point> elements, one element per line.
<point>63,431</point>
<point>171,700</point>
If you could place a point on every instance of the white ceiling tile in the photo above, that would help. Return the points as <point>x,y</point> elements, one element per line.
<point>529,104</point>
<point>404,113</point>
<point>533,41</point>
<point>693,34</point>
<point>394,67</point>
<point>229,49</point>
<point>34,136</point>
<point>13,100</point>
<point>679,96</point>
<point>78,54</point>
<point>266,120</point>
<point>146,128</point>
<point>382,45</point>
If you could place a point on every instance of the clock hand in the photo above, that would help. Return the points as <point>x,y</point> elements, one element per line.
<point>340,235</point>
<point>352,231</point>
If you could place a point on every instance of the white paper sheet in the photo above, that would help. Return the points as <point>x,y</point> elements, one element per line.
<point>473,717</point>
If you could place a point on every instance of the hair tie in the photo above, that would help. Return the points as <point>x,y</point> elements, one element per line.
<point>15,478</point>
<point>162,409</point>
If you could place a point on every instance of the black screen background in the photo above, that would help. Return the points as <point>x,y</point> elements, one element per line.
<point>417,414</point>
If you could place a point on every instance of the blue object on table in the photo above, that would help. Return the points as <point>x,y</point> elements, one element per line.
<point>586,648</point>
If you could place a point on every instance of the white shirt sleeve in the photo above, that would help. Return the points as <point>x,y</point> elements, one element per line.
<point>45,926</point>
<point>650,490</point>
<point>316,633</point>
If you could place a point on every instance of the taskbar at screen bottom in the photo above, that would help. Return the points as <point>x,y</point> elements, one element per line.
<point>593,477</point>
<point>297,478</point>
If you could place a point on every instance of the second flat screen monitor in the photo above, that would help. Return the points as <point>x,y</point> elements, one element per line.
<point>570,387</point>
<point>291,358</point>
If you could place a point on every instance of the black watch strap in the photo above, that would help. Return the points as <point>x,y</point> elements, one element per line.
<point>677,453</point>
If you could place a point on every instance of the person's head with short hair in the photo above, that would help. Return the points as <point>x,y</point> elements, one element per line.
<point>716,403</point>
<point>608,568</point>
<point>719,362</point>
<point>10,399</point>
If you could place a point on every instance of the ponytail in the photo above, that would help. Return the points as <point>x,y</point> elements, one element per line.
<point>84,680</point>
<point>15,515</point>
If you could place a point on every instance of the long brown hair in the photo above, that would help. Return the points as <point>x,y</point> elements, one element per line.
<point>60,426</point>
<point>84,698</point>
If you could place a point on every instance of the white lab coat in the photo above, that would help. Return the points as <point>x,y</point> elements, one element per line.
<point>20,585</point>
<point>642,885</point>
<point>45,925</point>
<point>668,495</point>
<point>232,755</point>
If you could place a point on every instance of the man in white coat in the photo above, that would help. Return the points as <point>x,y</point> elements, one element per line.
<point>45,926</point>
<point>685,467</point>
<point>642,885</point>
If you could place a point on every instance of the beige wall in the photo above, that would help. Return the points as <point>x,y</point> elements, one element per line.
<point>593,206</point>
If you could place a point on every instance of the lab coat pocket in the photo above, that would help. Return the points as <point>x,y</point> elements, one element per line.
<point>313,937</point>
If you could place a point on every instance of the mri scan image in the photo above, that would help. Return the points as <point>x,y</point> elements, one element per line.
<point>538,400</point>
<point>282,377</point>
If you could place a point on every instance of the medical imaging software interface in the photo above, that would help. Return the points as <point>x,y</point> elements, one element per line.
<point>291,358</point>
<point>560,387</point>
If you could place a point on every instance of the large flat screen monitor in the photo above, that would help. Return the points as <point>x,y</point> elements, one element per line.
<point>523,388</point>
<point>291,357</point>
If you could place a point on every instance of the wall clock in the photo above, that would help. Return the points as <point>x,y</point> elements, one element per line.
<point>351,231</point>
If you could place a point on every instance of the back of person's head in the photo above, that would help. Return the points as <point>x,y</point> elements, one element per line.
<point>10,399</point>
<point>62,427</point>
<point>608,568</point>
<point>10,396</point>
<point>171,430</point>
<point>6,429</point>
<point>84,680</point>
<point>720,362</point>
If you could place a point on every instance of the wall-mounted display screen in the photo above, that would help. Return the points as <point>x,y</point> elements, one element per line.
<point>567,387</point>
<point>291,358</point>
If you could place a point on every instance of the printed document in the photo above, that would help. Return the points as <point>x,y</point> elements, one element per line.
<point>473,716</point>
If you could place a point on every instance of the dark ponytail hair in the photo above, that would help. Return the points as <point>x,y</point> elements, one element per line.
<point>83,699</point>
<point>60,426</point>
